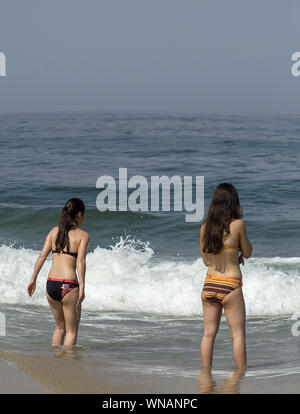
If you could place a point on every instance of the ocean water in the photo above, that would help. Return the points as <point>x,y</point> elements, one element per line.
<point>144,271</point>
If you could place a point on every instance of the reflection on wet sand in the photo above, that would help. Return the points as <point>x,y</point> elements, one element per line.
<point>65,373</point>
<point>66,351</point>
<point>231,385</point>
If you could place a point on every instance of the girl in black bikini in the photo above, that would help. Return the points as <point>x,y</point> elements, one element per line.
<point>68,244</point>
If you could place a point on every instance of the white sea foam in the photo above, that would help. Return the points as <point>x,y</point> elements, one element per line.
<point>127,277</point>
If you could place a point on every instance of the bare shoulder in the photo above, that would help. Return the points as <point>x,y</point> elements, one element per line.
<point>83,234</point>
<point>202,228</point>
<point>237,223</point>
<point>54,231</point>
<point>238,226</point>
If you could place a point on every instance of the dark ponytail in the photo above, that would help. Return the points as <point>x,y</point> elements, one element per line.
<point>68,222</point>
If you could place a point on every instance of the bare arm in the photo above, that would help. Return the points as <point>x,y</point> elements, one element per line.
<point>39,264</point>
<point>81,265</point>
<point>204,255</point>
<point>246,246</point>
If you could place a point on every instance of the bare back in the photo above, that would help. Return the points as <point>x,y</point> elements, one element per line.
<point>64,265</point>
<point>226,263</point>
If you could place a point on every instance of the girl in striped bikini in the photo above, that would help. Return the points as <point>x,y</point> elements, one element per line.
<point>224,244</point>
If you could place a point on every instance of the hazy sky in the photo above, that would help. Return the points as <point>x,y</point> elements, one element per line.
<point>197,55</point>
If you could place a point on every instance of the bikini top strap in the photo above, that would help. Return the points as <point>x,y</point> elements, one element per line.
<point>70,253</point>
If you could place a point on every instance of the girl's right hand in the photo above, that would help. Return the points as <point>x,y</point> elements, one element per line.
<point>81,295</point>
<point>31,288</point>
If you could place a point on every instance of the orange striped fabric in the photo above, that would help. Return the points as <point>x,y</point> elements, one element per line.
<point>217,287</point>
<point>230,248</point>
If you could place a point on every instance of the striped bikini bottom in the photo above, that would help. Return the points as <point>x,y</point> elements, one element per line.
<point>217,287</point>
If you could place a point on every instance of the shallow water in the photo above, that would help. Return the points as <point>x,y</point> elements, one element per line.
<point>155,344</point>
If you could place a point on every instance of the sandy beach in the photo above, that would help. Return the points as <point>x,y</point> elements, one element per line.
<point>47,374</point>
<point>63,374</point>
<point>14,381</point>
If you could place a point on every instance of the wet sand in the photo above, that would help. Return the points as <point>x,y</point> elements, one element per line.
<point>65,373</point>
<point>60,374</point>
<point>14,381</point>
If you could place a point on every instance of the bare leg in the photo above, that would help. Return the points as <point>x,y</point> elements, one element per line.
<point>60,329</point>
<point>234,309</point>
<point>212,312</point>
<point>70,311</point>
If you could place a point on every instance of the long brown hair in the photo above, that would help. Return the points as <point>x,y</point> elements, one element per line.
<point>68,222</point>
<point>224,208</point>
